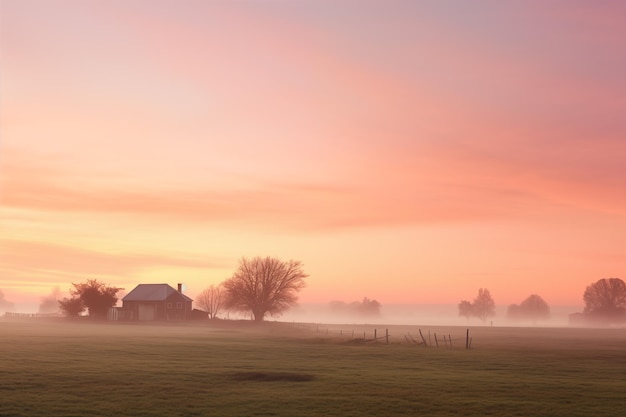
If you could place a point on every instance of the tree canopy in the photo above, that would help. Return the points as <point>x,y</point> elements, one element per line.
<point>532,308</point>
<point>605,300</point>
<point>466,309</point>
<point>71,307</point>
<point>264,286</point>
<point>482,307</point>
<point>92,295</point>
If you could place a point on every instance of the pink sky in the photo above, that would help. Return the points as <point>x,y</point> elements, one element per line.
<point>410,152</point>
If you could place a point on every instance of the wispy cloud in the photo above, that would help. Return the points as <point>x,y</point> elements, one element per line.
<point>447,183</point>
<point>52,263</point>
<point>388,195</point>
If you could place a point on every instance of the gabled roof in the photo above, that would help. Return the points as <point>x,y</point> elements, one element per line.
<point>152,292</point>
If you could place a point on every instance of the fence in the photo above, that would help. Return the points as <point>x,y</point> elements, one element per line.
<point>366,334</point>
<point>10,315</point>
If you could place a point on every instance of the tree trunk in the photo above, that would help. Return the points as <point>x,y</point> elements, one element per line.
<point>258,316</point>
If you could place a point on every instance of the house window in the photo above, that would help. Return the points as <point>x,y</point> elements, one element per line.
<point>169,305</point>
<point>179,306</point>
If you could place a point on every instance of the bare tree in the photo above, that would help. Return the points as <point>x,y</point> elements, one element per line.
<point>605,299</point>
<point>264,286</point>
<point>211,300</point>
<point>466,309</point>
<point>484,306</point>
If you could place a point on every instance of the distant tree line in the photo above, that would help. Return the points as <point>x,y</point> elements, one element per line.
<point>605,302</point>
<point>366,308</point>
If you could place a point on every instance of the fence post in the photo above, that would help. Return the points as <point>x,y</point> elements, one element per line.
<point>387,335</point>
<point>467,339</point>
<point>450,338</point>
<point>436,341</point>
<point>423,339</point>
<point>374,335</point>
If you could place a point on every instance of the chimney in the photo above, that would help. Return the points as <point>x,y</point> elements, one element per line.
<point>180,288</point>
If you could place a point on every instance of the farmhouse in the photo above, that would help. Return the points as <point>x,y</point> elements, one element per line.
<point>156,302</point>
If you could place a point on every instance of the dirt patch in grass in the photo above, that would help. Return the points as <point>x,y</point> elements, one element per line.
<point>270,376</point>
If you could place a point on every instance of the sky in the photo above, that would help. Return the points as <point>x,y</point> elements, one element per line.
<point>409,152</point>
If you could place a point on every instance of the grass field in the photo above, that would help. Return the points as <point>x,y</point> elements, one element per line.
<point>53,368</point>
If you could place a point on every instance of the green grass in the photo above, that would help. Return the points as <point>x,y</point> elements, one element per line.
<point>277,369</point>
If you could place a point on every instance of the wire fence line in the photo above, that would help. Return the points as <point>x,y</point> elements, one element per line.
<point>403,334</point>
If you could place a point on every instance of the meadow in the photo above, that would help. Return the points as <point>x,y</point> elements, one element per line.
<point>59,368</point>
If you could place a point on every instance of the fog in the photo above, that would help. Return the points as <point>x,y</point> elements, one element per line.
<point>419,314</point>
<point>391,314</point>
<point>49,303</point>
<point>5,305</point>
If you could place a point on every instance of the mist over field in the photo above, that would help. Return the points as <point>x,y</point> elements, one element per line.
<point>420,314</point>
<point>391,314</point>
<point>336,312</point>
<point>5,305</point>
<point>50,303</point>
